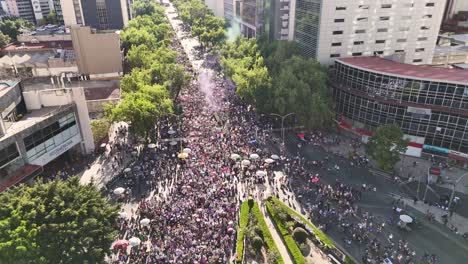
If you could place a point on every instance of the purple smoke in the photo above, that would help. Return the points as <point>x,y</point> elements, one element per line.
<point>207,86</point>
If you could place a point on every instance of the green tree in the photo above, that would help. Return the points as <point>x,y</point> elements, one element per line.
<point>55,222</point>
<point>142,108</point>
<point>100,129</point>
<point>144,7</point>
<point>135,80</point>
<point>12,27</point>
<point>4,40</point>
<point>386,145</point>
<point>51,18</point>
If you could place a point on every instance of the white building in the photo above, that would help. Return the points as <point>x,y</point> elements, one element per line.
<point>335,28</point>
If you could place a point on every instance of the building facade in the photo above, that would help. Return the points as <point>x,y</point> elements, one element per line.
<point>105,14</point>
<point>26,11</point>
<point>216,6</point>
<point>37,127</point>
<point>326,30</point>
<point>429,104</point>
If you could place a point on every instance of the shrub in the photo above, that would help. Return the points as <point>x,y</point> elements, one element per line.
<point>272,257</point>
<point>300,235</point>
<point>243,220</point>
<point>257,243</point>
<point>251,201</point>
<point>303,247</point>
<point>258,231</point>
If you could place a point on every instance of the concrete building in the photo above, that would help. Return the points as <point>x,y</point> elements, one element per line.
<point>326,30</point>
<point>69,12</point>
<point>26,11</point>
<point>216,6</point>
<point>38,127</point>
<point>429,104</point>
<point>42,8</point>
<point>97,53</point>
<point>10,8</point>
<point>105,14</point>
<point>455,6</point>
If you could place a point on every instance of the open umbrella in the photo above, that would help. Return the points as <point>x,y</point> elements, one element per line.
<point>245,163</point>
<point>269,161</point>
<point>172,143</point>
<point>145,222</point>
<point>406,218</point>
<point>235,156</point>
<point>103,145</point>
<point>230,223</point>
<point>275,157</point>
<point>261,173</point>
<point>122,215</point>
<point>171,132</point>
<point>127,170</point>
<point>119,190</point>
<point>182,155</point>
<point>120,243</point>
<point>230,229</point>
<point>187,150</point>
<point>254,156</point>
<point>152,146</point>
<point>134,241</point>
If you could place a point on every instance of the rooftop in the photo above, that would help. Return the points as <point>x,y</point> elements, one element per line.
<point>94,89</point>
<point>28,46</point>
<point>47,30</point>
<point>389,67</point>
<point>6,86</point>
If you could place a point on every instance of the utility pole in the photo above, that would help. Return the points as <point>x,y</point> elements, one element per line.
<point>283,117</point>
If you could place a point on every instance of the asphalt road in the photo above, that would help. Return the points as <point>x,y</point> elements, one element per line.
<point>432,237</point>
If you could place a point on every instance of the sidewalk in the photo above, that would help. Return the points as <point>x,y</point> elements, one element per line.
<point>460,222</point>
<point>405,167</point>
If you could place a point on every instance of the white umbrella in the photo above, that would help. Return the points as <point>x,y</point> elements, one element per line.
<point>127,170</point>
<point>119,190</point>
<point>235,156</point>
<point>275,157</point>
<point>134,241</point>
<point>269,161</point>
<point>261,173</point>
<point>254,156</point>
<point>187,150</point>
<point>152,146</point>
<point>145,222</point>
<point>245,163</point>
<point>171,132</point>
<point>122,215</point>
<point>172,143</point>
<point>406,218</point>
<point>103,145</point>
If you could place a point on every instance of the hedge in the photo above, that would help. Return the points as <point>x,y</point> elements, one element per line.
<point>266,232</point>
<point>243,221</point>
<point>317,231</point>
<point>291,244</point>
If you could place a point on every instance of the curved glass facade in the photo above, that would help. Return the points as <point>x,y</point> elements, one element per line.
<point>437,111</point>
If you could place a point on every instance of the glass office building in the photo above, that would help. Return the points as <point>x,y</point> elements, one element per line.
<point>428,103</point>
<point>307,26</point>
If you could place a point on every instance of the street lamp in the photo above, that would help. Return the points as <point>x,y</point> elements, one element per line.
<point>453,188</point>
<point>283,117</point>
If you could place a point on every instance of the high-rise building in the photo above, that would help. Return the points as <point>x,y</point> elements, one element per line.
<point>10,8</point>
<point>98,14</point>
<point>25,10</point>
<point>326,30</point>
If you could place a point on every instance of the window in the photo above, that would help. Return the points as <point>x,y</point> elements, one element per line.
<point>424,28</point>
<point>362,19</point>
<point>422,39</point>
<point>404,28</point>
<point>380,41</point>
<point>379,52</point>
<point>340,8</point>
<point>399,51</point>
<point>336,55</point>
<point>427,16</point>
<point>360,31</point>
<point>336,44</point>
<point>339,20</point>
<point>430,4</point>
<point>419,50</point>
<point>401,40</point>
<point>386,6</point>
<point>417,60</point>
<point>358,42</point>
<point>338,32</point>
<point>364,7</point>
<point>384,18</point>
<point>382,30</point>
<point>357,54</point>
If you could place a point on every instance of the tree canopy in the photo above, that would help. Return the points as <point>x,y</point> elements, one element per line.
<point>13,26</point>
<point>55,222</point>
<point>386,145</point>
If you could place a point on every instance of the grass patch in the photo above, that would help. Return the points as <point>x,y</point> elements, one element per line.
<point>243,221</point>
<point>289,241</point>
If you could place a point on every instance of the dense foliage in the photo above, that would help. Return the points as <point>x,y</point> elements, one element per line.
<point>386,145</point>
<point>243,220</point>
<point>155,79</point>
<point>100,129</point>
<point>10,28</point>
<point>204,25</point>
<point>55,222</point>
<point>276,79</point>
